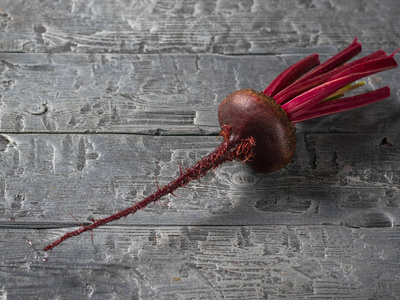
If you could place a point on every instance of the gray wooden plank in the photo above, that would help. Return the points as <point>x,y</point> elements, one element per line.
<point>196,262</point>
<point>154,94</point>
<point>187,26</point>
<point>56,180</point>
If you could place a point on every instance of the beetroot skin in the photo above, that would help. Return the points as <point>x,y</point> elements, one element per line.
<point>253,114</point>
<point>257,128</point>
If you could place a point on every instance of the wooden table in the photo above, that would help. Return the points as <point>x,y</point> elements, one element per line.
<point>99,98</point>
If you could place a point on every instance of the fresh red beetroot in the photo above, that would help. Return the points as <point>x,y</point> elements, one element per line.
<point>257,128</point>
<point>254,114</point>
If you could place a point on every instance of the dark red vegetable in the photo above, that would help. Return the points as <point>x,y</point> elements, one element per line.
<point>254,114</point>
<point>257,128</point>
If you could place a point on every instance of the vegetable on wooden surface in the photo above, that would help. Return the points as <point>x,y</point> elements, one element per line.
<point>258,128</point>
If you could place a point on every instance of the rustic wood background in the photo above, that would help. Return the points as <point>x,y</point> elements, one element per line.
<point>97,98</point>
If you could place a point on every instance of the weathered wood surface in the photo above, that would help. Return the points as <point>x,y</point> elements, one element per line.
<point>204,262</point>
<point>98,98</point>
<point>349,179</point>
<point>187,26</point>
<point>155,94</point>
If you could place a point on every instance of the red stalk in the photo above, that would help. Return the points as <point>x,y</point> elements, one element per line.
<point>343,104</point>
<point>368,68</point>
<point>299,87</point>
<point>302,67</point>
<point>310,98</point>
<point>343,56</point>
<point>291,74</point>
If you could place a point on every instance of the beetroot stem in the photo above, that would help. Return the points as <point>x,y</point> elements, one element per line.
<point>285,83</point>
<point>337,60</point>
<point>228,150</point>
<point>301,86</point>
<point>310,98</point>
<point>343,104</point>
<point>291,74</point>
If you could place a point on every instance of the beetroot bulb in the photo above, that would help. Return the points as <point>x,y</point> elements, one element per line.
<point>258,127</point>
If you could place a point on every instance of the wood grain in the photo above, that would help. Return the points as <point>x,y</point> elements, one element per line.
<point>155,94</point>
<point>205,262</point>
<point>99,98</point>
<point>186,26</point>
<point>349,179</point>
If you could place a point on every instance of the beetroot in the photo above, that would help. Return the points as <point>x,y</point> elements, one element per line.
<point>257,128</point>
<point>253,114</point>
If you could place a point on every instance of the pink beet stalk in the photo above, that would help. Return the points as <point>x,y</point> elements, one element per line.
<point>343,56</point>
<point>310,98</point>
<point>302,67</point>
<point>343,104</point>
<point>292,73</point>
<point>258,127</point>
<point>301,86</point>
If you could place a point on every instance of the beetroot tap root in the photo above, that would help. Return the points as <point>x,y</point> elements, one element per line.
<point>258,128</point>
